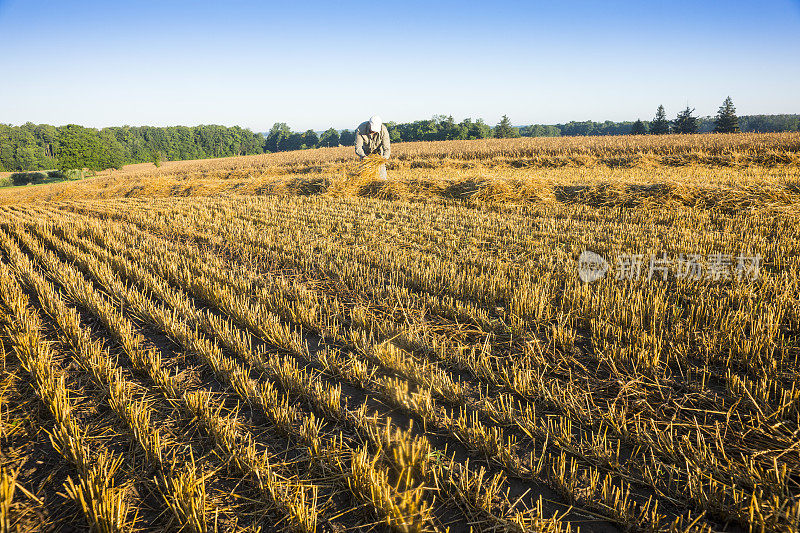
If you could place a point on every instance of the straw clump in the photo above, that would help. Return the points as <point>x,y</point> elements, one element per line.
<point>369,167</point>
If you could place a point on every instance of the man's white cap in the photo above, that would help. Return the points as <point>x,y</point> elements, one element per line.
<point>375,123</point>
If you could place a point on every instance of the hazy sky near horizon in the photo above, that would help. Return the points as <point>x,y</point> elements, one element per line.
<point>319,64</point>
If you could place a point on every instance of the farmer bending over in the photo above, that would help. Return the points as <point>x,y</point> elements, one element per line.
<point>372,137</point>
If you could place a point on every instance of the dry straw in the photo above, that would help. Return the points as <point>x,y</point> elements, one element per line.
<point>8,483</point>
<point>532,169</point>
<point>468,317</point>
<point>370,166</point>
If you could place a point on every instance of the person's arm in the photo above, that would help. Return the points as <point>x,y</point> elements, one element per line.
<point>386,145</point>
<point>360,145</point>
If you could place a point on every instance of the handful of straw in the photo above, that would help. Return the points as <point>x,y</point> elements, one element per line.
<point>370,166</point>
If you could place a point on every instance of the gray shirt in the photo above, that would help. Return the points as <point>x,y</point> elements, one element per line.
<point>370,143</point>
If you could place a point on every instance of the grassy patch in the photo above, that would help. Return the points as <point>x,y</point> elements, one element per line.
<point>41,177</point>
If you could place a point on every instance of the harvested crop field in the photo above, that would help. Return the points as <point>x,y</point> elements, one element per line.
<point>269,344</point>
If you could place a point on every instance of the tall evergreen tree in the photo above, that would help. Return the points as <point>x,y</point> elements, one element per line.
<point>686,122</point>
<point>638,128</point>
<point>727,121</point>
<point>504,129</point>
<point>660,124</point>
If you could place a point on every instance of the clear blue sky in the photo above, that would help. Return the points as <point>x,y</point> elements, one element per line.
<point>318,64</point>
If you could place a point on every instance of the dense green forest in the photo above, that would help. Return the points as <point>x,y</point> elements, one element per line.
<point>41,146</point>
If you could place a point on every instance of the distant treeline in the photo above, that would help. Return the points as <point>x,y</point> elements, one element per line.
<point>441,128</point>
<point>41,146</point>
<point>752,123</point>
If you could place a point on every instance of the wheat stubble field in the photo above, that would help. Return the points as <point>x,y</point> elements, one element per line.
<point>275,343</point>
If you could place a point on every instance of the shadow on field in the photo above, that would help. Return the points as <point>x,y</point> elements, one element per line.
<point>462,189</point>
<point>506,191</point>
<point>309,187</point>
<point>605,194</point>
<point>383,189</point>
<point>729,200</point>
<point>567,194</point>
<point>478,188</point>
